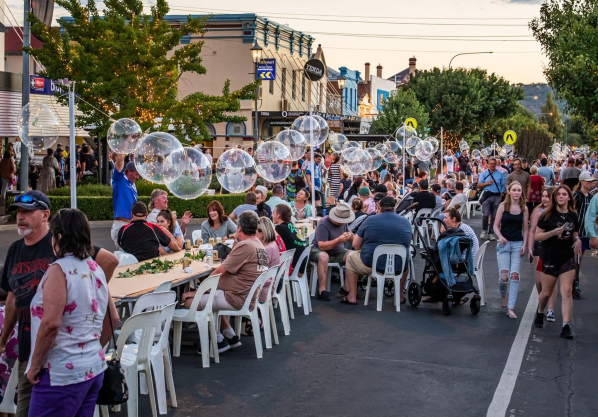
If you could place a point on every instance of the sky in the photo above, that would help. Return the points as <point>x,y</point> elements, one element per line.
<point>389,32</point>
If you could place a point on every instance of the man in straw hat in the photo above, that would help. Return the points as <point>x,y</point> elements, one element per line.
<point>329,243</point>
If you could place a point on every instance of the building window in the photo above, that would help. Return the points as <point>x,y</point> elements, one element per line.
<point>235,129</point>
<point>303,87</point>
<point>294,86</point>
<point>284,83</point>
<point>271,88</point>
<point>211,129</point>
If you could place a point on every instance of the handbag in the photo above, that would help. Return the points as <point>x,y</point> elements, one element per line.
<point>503,195</point>
<point>114,389</point>
<point>223,251</point>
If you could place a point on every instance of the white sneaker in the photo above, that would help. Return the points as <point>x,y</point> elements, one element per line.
<point>491,236</point>
<point>483,235</point>
<point>550,315</point>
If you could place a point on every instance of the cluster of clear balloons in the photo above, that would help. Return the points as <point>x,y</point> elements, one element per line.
<point>493,150</point>
<point>38,126</point>
<point>560,152</point>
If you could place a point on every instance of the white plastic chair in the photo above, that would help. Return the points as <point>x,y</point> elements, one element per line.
<point>125,258</point>
<point>195,236</point>
<point>314,271</point>
<point>423,229</point>
<point>300,284</point>
<point>211,192</point>
<point>472,206</point>
<point>264,308</point>
<point>248,311</point>
<point>138,361</point>
<point>479,271</point>
<point>389,273</point>
<point>281,296</point>
<point>8,404</point>
<point>204,319</point>
<point>164,287</point>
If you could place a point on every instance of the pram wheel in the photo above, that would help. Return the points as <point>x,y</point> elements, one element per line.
<point>576,294</point>
<point>414,294</point>
<point>389,288</point>
<point>447,306</point>
<point>475,305</point>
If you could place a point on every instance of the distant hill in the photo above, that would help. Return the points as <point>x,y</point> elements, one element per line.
<point>535,96</point>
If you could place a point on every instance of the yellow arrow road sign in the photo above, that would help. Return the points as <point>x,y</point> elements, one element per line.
<point>510,137</point>
<point>411,122</point>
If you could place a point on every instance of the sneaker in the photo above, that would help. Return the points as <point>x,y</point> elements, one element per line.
<point>539,320</point>
<point>550,315</point>
<point>483,235</point>
<point>491,236</point>
<point>234,341</point>
<point>566,332</point>
<point>223,346</point>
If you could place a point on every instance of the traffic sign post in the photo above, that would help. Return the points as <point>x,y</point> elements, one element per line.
<point>266,69</point>
<point>510,137</point>
<point>411,122</point>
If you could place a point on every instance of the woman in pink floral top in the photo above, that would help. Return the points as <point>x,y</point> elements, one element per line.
<point>67,314</point>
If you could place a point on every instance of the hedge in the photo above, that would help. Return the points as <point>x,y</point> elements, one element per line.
<point>101,208</point>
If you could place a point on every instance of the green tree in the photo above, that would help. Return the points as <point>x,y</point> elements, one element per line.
<point>532,141</point>
<point>495,129</point>
<point>128,64</point>
<point>399,106</point>
<point>463,101</point>
<point>566,29</point>
<point>552,117</point>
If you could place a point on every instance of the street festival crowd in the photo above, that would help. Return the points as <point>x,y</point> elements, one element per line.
<point>54,279</point>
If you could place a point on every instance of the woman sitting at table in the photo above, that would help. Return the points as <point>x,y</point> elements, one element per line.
<point>166,220</point>
<point>218,224</point>
<point>274,247</point>
<point>301,207</point>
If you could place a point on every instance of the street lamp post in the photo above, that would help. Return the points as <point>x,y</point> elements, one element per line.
<point>342,83</point>
<point>467,53</point>
<point>256,55</point>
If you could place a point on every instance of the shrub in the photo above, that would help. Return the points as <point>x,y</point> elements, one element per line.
<point>96,190</point>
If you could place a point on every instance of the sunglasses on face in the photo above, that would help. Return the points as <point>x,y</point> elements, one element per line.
<point>28,199</point>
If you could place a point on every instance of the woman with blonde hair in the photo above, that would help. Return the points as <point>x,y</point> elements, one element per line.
<point>274,247</point>
<point>511,219</point>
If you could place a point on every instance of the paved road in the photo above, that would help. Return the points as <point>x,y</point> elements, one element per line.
<point>343,360</point>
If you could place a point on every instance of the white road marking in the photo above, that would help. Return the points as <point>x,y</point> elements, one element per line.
<point>504,390</point>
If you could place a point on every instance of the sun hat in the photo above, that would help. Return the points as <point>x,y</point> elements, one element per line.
<point>586,176</point>
<point>342,213</point>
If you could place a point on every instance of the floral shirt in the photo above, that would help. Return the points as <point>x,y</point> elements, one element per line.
<point>77,355</point>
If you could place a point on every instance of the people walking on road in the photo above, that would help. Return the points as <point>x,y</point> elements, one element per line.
<point>558,231</point>
<point>493,183</point>
<point>511,219</point>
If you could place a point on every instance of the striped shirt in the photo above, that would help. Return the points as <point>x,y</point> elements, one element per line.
<point>582,203</point>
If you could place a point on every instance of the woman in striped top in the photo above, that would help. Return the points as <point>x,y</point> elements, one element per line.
<point>335,175</point>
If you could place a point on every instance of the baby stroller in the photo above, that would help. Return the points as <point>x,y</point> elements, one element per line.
<point>450,291</point>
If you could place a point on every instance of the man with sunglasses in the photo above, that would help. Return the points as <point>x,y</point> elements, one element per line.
<point>26,263</point>
<point>124,194</point>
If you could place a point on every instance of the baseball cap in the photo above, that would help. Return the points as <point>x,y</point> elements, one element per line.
<point>380,188</point>
<point>31,200</point>
<point>364,191</point>
<point>130,166</point>
<point>586,176</point>
<point>388,202</point>
<point>379,197</point>
<point>436,187</point>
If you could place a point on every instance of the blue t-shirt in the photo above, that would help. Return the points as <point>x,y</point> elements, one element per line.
<point>244,207</point>
<point>547,173</point>
<point>386,228</point>
<point>124,194</point>
<point>499,181</point>
<point>317,177</point>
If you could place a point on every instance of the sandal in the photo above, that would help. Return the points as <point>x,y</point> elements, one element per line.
<point>343,292</point>
<point>345,300</point>
<point>460,302</point>
<point>511,315</point>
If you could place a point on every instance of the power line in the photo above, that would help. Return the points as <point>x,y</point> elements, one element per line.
<point>430,38</point>
<point>426,51</point>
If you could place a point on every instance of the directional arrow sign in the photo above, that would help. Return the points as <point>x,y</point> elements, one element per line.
<point>411,122</point>
<point>510,137</point>
<point>266,69</point>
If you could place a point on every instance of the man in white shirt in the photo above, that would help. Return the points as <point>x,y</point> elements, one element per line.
<point>459,198</point>
<point>449,160</point>
<point>159,202</point>
<point>277,198</point>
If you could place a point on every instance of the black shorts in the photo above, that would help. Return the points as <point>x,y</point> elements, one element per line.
<point>537,246</point>
<point>556,268</point>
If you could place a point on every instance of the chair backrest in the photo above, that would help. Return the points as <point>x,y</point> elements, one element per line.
<point>207,285</point>
<point>147,322</point>
<point>425,212</point>
<point>257,287</point>
<point>196,235</point>
<point>283,270</point>
<point>126,259</point>
<point>153,301</point>
<point>211,192</point>
<point>165,286</point>
<point>463,210</point>
<point>312,236</point>
<point>436,212</point>
<point>479,257</point>
<point>302,259</point>
<point>165,321</point>
<point>390,251</point>
<point>8,401</point>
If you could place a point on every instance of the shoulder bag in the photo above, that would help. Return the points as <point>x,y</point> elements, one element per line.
<point>114,389</point>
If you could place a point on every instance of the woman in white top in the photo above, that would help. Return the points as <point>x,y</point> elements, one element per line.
<point>274,247</point>
<point>68,328</point>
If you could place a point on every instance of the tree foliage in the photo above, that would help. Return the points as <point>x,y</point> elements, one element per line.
<point>399,106</point>
<point>522,119</point>
<point>128,64</point>
<point>568,33</point>
<point>463,101</point>
<point>552,117</point>
<point>532,141</point>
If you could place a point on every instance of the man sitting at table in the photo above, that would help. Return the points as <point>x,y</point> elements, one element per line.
<point>329,243</point>
<point>250,204</point>
<point>238,272</point>
<point>142,239</point>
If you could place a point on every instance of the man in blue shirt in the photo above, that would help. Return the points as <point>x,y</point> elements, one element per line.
<point>546,172</point>
<point>493,183</point>
<point>124,194</point>
<point>385,228</point>
<point>317,173</point>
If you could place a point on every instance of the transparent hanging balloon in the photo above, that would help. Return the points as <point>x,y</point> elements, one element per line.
<point>377,158</point>
<point>312,129</point>
<point>272,161</point>
<point>351,144</point>
<point>503,152</point>
<point>435,143</point>
<point>294,141</point>
<point>324,128</point>
<point>356,161</point>
<point>196,176</point>
<point>154,158</point>
<point>477,153</point>
<point>382,149</point>
<point>463,145</point>
<point>38,126</point>
<point>124,135</point>
<point>337,141</point>
<point>494,146</point>
<point>236,171</point>
<point>408,131</point>
<point>485,152</point>
<point>411,144</point>
<point>394,154</point>
<point>424,150</point>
